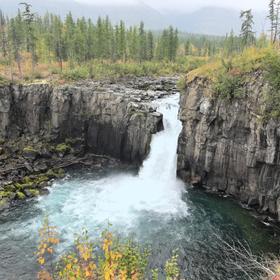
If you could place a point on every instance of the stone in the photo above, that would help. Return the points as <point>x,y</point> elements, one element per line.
<point>4,204</point>
<point>227,141</point>
<point>278,208</point>
<point>30,153</point>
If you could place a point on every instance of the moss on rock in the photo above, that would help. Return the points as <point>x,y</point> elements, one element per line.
<point>63,148</point>
<point>20,195</point>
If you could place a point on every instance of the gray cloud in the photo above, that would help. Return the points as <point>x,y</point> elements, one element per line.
<point>186,5</point>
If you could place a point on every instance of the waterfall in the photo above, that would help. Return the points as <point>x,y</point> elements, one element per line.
<point>123,199</point>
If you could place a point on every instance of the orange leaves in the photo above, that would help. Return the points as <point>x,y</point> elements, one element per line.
<point>48,238</point>
<point>110,260</point>
<point>81,263</point>
<point>41,260</point>
<point>44,275</point>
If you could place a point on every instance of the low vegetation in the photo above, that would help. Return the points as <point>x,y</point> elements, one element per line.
<point>228,76</point>
<point>108,259</point>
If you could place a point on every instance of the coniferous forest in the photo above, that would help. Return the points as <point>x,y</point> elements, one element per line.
<point>34,46</point>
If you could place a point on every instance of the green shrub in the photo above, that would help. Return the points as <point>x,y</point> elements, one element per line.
<point>78,73</point>
<point>272,75</point>
<point>229,86</point>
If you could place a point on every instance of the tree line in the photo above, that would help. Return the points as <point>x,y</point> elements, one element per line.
<point>50,38</point>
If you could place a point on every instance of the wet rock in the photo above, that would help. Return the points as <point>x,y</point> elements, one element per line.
<point>45,153</point>
<point>227,146</point>
<point>44,191</point>
<point>40,166</point>
<point>4,204</point>
<point>30,153</point>
<point>31,192</point>
<point>278,208</point>
<point>28,166</point>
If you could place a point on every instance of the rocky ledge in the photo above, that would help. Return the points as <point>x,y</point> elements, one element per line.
<point>226,146</point>
<point>44,129</point>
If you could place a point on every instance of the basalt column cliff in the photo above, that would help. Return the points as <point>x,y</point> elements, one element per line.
<point>227,146</point>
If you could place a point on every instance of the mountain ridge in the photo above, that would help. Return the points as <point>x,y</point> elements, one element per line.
<point>211,20</point>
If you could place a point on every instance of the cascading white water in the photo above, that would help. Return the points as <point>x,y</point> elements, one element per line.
<point>123,199</point>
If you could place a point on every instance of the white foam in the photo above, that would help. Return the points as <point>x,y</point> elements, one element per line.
<point>123,199</point>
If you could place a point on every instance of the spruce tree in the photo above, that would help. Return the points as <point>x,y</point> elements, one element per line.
<point>142,43</point>
<point>247,34</point>
<point>150,46</point>
<point>29,18</point>
<point>15,41</point>
<point>69,32</point>
<point>58,40</point>
<point>3,34</point>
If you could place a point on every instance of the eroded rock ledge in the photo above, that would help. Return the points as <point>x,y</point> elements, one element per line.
<point>226,146</point>
<point>45,128</point>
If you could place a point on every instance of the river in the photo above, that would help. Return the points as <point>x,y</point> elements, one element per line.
<point>151,205</point>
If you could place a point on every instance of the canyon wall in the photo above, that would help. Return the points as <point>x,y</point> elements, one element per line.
<point>106,122</point>
<point>227,146</point>
<point>45,129</point>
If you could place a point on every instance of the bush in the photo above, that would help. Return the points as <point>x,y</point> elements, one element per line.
<point>229,86</point>
<point>272,75</point>
<point>108,259</point>
<point>78,73</point>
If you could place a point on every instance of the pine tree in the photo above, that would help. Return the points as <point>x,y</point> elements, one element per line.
<point>276,22</point>
<point>47,36</point>
<point>80,40</point>
<point>174,44</point>
<point>29,19</point>
<point>100,39</point>
<point>247,34</point>
<point>122,41</point>
<point>133,43</point>
<point>150,46</point>
<point>187,47</point>
<point>58,40</point>
<point>142,43</point>
<point>230,44</point>
<point>90,40</point>
<point>271,17</point>
<point>69,32</point>
<point>3,34</point>
<point>14,45</point>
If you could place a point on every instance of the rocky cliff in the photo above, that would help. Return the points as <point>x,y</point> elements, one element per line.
<point>226,146</point>
<point>107,122</point>
<point>45,127</point>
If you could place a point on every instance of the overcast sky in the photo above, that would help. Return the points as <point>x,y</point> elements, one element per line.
<point>185,5</point>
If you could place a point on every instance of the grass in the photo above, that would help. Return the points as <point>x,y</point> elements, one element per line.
<point>229,76</point>
<point>96,69</point>
<point>249,60</point>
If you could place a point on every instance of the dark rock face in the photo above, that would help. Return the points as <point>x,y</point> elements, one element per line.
<point>108,122</point>
<point>226,146</point>
<point>46,129</point>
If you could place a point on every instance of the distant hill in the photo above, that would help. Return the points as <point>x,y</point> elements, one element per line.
<point>207,20</point>
<point>214,21</point>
